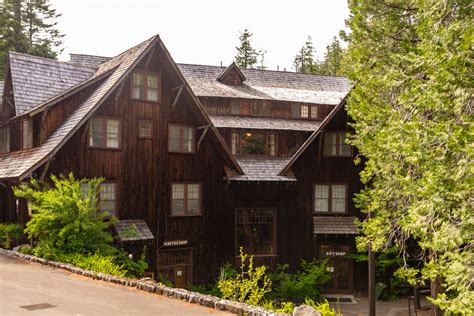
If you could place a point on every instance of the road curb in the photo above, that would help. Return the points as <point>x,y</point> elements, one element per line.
<point>152,286</point>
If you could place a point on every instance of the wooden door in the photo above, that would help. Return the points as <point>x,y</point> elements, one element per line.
<point>175,266</point>
<point>180,276</point>
<point>342,271</point>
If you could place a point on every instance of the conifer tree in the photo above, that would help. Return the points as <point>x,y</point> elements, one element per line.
<point>247,56</point>
<point>331,64</point>
<point>412,107</point>
<point>304,60</point>
<point>28,27</point>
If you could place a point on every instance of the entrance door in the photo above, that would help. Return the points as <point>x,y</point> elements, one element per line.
<point>341,268</point>
<point>175,266</point>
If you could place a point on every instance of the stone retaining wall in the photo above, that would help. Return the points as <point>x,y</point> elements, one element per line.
<point>155,287</point>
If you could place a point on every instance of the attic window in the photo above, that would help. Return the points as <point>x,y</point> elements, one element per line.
<point>146,86</point>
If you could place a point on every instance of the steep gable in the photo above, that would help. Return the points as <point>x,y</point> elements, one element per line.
<point>232,75</point>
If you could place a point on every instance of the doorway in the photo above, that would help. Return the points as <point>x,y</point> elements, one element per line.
<point>175,266</point>
<point>341,267</point>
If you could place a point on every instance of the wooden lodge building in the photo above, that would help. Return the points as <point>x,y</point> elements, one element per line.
<point>200,160</point>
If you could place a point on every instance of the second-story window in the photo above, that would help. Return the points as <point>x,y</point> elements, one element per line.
<point>146,86</point>
<point>104,132</point>
<point>304,111</point>
<point>186,199</point>
<point>181,139</point>
<point>106,199</point>
<point>4,139</point>
<point>145,129</point>
<point>27,133</point>
<point>253,143</point>
<point>330,198</point>
<point>335,144</point>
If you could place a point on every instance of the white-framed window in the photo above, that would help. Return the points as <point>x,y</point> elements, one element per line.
<point>186,199</point>
<point>104,132</point>
<point>4,139</point>
<point>107,197</point>
<point>335,144</point>
<point>181,139</point>
<point>330,198</point>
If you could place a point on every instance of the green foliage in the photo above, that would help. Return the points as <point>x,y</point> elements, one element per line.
<point>249,286</point>
<point>28,27</point>
<point>304,61</point>
<point>323,307</point>
<point>64,221</point>
<point>95,262</point>
<point>247,56</point>
<point>25,249</point>
<point>283,307</point>
<point>332,63</point>
<point>412,107</point>
<point>306,283</point>
<point>134,267</point>
<point>11,235</point>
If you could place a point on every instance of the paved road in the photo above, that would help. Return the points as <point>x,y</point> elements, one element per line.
<point>24,283</point>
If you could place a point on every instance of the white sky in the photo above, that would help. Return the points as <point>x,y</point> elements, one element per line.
<point>200,32</point>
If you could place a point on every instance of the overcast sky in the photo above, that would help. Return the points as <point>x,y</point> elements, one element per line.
<point>200,32</point>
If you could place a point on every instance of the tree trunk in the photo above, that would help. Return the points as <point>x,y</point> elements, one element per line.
<point>436,289</point>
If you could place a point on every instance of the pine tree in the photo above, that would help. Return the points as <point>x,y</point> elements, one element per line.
<point>28,27</point>
<point>331,64</point>
<point>412,107</point>
<point>246,55</point>
<point>304,60</point>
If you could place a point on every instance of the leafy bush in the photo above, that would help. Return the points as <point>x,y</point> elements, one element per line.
<point>11,235</point>
<point>283,307</point>
<point>306,283</point>
<point>65,220</point>
<point>95,262</point>
<point>134,268</point>
<point>249,286</point>
<point>323,307</point>
<point>25,249</point>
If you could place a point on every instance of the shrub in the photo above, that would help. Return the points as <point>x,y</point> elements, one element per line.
<point>95,262</point>
<point>283,307</point>
<point>11,235</point>
<point>323,307</point>
<point>134,267</point>
<point>25,249</point>
<point>306,283</point>
<point>64,219</point>
<point>249,286</point>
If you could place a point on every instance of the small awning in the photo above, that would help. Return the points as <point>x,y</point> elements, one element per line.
<point>133,230</point>
<point>334,225</point>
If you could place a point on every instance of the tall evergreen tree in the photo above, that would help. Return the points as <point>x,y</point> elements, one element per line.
<point>247,56</point>
<point>332,62</point>
<point>304,60</point>
<point>412,106</point>
<point>28,27</point>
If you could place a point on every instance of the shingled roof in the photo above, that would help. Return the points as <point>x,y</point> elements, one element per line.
<point>267,85</point>
<point>133,230</point>
<point>20,164</point>
<point>332,225</point>
<point>262,169</point>
<point>36,79</point>
<point>87,60</point>
<point>252,122</point>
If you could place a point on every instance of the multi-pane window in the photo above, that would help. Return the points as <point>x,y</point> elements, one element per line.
<point>27,133</point>
<point>304,111</point>
<point>255,231</point>
<point>335,144</point>
<point>186,199</point>
<point>254,108</point>
<point>106,199</point>
<point>314,112</point>
<point>181,139</point>
<point>253,143</point>
<point>146,86</point>
<point>145,129</point>
<point>330,198</point>
<point>4,139</point>
<point>104,132</point>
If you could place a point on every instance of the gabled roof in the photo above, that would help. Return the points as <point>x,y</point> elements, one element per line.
<point>333,225</point>
<point>232,67</point>
<point>20,164</point>
<point>87,60</point>
<point>261,169</point>
<point>313,136</point>
<point>36,79</point>
<point>252,122</point>
<point>267,85</point>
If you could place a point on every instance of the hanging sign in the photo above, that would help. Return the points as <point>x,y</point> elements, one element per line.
<point>170,243</point>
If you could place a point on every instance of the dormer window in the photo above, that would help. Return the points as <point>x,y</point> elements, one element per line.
<point>27,133</point>
<point>253,143</point>
<point>232,75</point>
<point>146,86</point>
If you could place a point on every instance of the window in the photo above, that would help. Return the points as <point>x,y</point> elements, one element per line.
<point>259,108</point>
<point>314,112</point>
<point>146,86</point>
<point>245,108</point>
<point>104,133</point>
<point>185,199</point>
<point>4,139</point>
<point>181,139</point>
<point>235,107</point>
<point>256,231</point>
<point>253,143</point>
<point>335,144</point>
<point>145,129</point>
<point>27,133</point>
<point>330,198</point>
<point>106,199</point>
<point>304,111</point>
